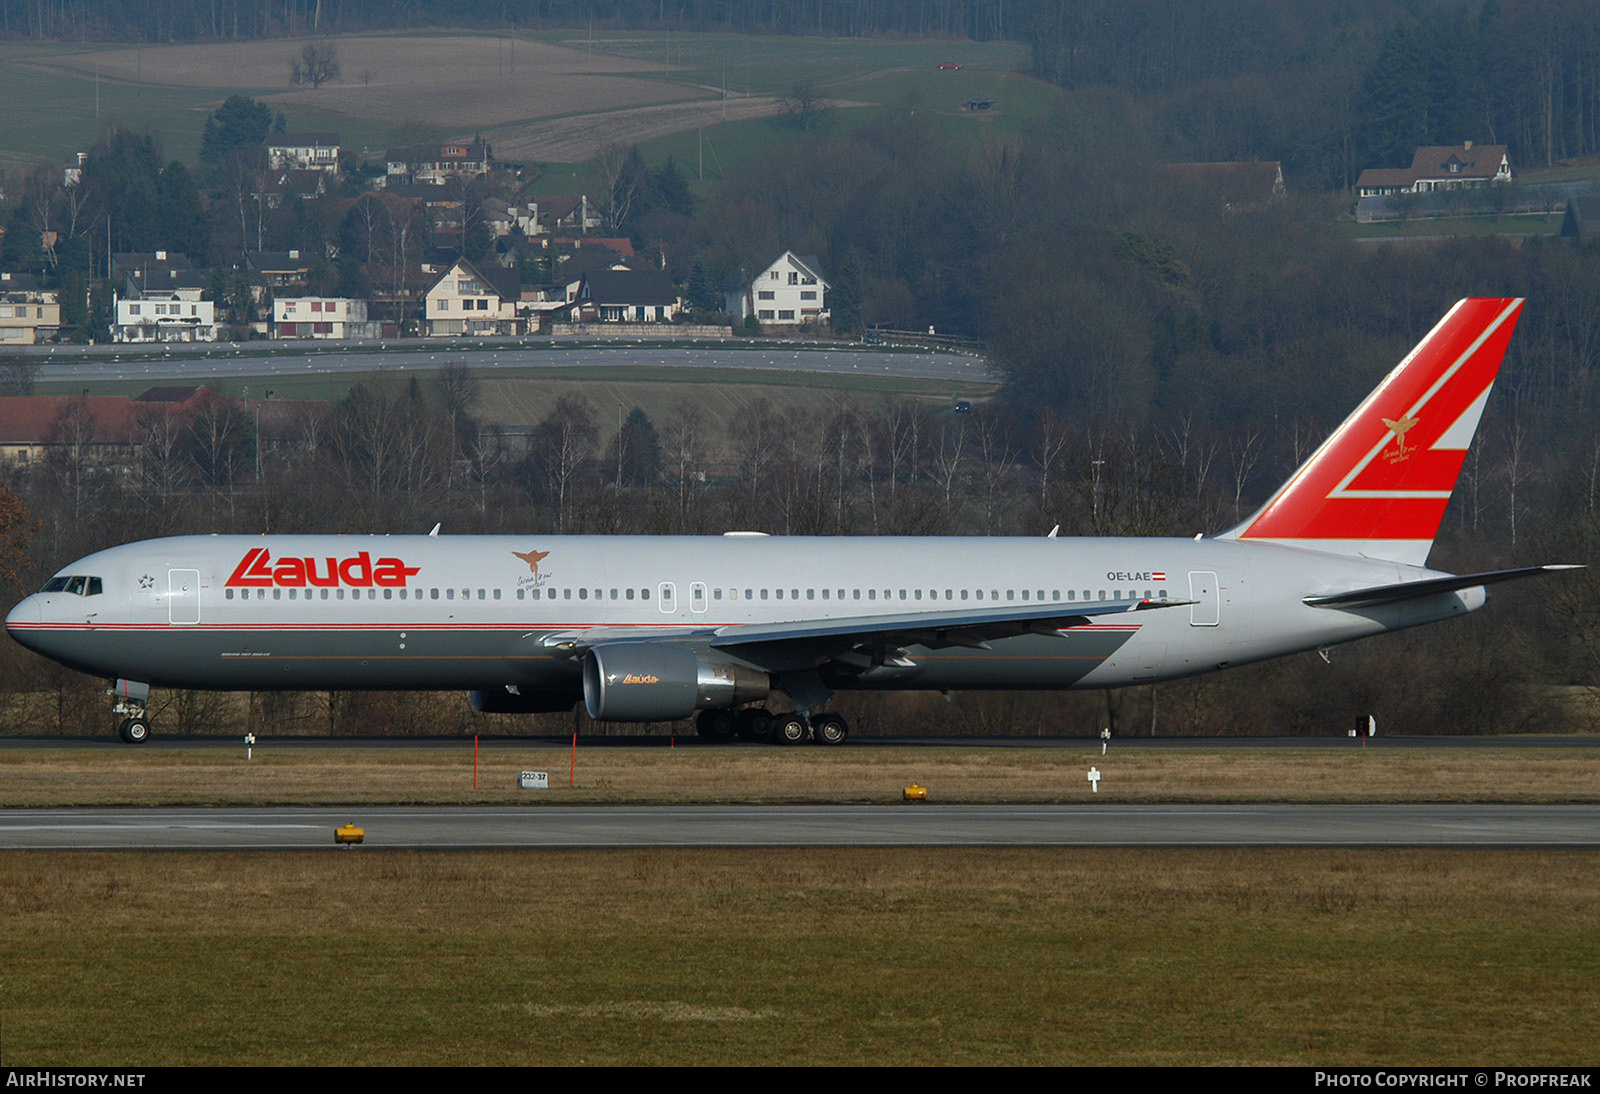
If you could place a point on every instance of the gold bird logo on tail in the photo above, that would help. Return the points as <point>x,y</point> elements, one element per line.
<point>1400,429</point>
<point>532,558</point>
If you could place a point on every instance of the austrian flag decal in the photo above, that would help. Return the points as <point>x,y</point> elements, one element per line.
<point>258,570</point>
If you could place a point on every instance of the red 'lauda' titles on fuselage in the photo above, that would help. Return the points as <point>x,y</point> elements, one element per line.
<point>257,569</point>
<point>1380,475</point>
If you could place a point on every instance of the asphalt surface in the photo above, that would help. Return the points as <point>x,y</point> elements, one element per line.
<point>225,360</point>
<point>908,825</point>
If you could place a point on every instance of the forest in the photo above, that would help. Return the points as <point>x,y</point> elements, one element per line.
<point>1168,354</point>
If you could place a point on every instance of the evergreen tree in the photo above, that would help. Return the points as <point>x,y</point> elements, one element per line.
<point>235,130</point>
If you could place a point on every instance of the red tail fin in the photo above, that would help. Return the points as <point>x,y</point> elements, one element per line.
<point>1380,484</point>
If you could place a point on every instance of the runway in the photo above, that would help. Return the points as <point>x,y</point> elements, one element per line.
<point>223,360</point>
<point>911,825</point>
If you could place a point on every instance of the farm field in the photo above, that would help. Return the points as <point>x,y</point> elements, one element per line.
<point>554,98</point>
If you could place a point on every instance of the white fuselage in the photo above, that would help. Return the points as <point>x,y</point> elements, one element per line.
<point>304,612</point>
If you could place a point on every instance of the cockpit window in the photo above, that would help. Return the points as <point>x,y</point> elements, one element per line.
<point>82,586</point>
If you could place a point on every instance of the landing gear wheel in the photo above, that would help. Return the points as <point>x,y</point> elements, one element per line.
<point>831,729</point>
<point>714,725</point>
<point>789,729</point>
<point>753,724</point>
<point>136,731</point>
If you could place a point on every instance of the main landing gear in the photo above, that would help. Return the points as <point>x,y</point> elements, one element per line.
<point>756,724</point>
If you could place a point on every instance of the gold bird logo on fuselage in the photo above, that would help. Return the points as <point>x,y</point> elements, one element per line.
<point>532,558</point>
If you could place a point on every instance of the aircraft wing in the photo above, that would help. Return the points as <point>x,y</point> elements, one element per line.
<point>1411,590</point>
<point>970,627</point>
<point>880,637</point>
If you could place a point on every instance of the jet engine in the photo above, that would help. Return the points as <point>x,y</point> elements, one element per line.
<point>652,682</point>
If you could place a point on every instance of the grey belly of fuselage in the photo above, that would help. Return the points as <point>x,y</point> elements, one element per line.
<point>217,658</point>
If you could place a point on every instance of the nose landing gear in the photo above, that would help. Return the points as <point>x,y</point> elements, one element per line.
<point>131,697</point>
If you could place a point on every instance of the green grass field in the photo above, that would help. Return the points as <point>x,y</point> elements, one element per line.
<point>887,957</point>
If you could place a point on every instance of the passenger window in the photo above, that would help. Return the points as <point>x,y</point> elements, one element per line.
<point>449,594</point>
<point>630,594</point>
<point>227,594</point>
<point>583,594</point>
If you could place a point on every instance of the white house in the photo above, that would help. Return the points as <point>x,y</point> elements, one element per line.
<point>466,300</point>
<point>321,317</point>
<point>306,151</point>
<point>165,315</point>
<point>788,290</point>
<point>1439,167</point>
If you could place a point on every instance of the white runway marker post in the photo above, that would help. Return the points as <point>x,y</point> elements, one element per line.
<point>1094,779</point>
<point>249,745</point>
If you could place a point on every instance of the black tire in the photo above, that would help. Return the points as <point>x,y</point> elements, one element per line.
<point>135,731</point>
<point>714,725</point>
<point>789,729</point>
<point>831,729</point>
<point>753,724</point>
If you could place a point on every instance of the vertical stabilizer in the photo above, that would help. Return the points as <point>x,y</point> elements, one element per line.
<point>1379,486</point>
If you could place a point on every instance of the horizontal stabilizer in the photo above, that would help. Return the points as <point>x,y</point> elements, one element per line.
<point>1411,590</point>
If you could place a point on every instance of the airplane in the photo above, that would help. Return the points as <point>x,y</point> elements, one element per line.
<point>661,628</point>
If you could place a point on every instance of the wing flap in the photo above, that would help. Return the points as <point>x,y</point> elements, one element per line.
<point>967,627</point>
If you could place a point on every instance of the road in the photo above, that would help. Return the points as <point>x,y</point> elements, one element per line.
<point>912,825</point>
<point>224,360</point>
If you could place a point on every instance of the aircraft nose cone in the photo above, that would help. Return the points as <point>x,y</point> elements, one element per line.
<point>21,619</point>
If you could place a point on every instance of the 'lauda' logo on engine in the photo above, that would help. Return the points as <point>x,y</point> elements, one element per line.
<point>258,569</point>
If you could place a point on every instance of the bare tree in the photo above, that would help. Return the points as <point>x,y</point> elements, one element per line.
<point>317,64</point>
<point>17,374</point>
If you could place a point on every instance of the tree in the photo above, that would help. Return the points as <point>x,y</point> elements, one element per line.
<point>317,64</point>
<point>17,374</point>
<point>16,532</point>
<point>702,296</point>
<point>803,104</point>
<point>236,129</point>
<point>634,458</point>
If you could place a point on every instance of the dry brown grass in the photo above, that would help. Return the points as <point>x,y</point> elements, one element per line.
<point>454,82</point>
<point>283,774</point>
<point>582,137</point>
<point>807,956</point>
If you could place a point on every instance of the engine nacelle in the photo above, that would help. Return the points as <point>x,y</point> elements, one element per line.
<point>526,700</point>
<point>652,682</point>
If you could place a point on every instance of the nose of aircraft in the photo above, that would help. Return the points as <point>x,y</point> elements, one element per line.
<point>21,619</point>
